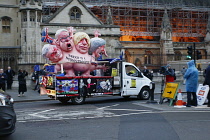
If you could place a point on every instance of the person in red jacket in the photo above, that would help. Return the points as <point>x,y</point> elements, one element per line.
<point>169,74</point>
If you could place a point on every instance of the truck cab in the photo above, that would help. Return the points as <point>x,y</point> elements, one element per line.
<point>132,82</point>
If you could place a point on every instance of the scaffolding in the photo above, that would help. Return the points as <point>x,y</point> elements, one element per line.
<point>141,20</point>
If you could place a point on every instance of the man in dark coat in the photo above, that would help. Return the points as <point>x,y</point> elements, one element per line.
<point>145,71</point>
<point>22,82</point>
<point>3,78</point>
<point>207,82</point>
<point>10,75</point>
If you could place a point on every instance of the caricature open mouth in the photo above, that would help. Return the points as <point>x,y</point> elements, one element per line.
<point>69,46</point>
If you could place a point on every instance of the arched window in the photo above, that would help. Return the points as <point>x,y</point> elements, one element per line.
<point>148,57</point>
<point>6,23</point>
<point>75,15</point>
<point>138,62</point>
<point>127,56</point>
<point>178,55</point>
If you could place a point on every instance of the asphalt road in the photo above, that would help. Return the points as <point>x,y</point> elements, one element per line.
<point>109,118</point>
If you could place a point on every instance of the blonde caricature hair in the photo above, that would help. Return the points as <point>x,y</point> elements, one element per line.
<point>79,36</point>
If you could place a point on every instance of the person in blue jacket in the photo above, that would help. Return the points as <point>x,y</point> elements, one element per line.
<point>191,76</point>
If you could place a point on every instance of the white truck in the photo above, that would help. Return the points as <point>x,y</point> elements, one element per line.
<point>120,78</point>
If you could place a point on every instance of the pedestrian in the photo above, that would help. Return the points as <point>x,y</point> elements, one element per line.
<point>169,74</point>
<point>36,79</point>
<point>191,76</point>
<point>42,72</point>
<point>145,71</point>
<point>150,75</point>
<point>207,82</point>
<point>22,82</point>
<point>10,75</point>
<point>3,78</point>
<point>183,72</point>
<point>169,77</point>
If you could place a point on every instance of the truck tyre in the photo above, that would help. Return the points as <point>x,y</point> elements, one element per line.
<point>64,100</point>
<point>78,100</point>
<point>144,94</point>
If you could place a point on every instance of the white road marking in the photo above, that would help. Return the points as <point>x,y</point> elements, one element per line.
<point>37,114</point>
<point>108,106</point>
<point>63,114</point>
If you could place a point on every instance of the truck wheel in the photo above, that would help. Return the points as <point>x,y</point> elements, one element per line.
<point>144,94</point>
<point>64,100</point>
<point>78,100</point>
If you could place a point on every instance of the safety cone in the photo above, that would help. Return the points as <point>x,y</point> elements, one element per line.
<point>179,102</point>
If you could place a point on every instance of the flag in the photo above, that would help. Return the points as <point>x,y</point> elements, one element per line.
<point>46,37</point>
<point>121,56</point>
<point>114,60</point>
<point>50,68</point>
<point>36,68</point>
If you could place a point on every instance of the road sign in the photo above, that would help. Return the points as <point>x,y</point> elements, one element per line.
<point>170,90</point>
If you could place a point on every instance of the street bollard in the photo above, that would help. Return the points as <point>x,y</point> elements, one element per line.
<point>152,89</point>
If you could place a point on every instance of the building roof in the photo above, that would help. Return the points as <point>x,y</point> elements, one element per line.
<point>69,2</point>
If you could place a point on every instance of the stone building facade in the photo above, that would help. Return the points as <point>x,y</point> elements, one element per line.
<point>22,22</point>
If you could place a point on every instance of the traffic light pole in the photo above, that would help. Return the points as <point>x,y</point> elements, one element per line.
<point>194,53</point>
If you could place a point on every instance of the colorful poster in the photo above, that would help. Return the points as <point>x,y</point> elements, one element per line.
<point>46,81</point>
<point>68,86</point>
<point>83,86</point>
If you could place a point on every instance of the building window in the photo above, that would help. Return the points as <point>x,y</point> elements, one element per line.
<point>32,16</point>
<point>138,63</point>
<point>39,16</point>
<point>24,16</point>
<point>148,57</point>
<point>75,15</point>
<point>6,23</point>
<point>178,55</point>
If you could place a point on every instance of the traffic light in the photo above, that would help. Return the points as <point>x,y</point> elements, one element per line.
<point>198,54</point>
<point>189,51</point>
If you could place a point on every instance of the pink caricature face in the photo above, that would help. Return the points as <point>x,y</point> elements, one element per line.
<point>100,50</point>
<point>65,41</point>
<point>54,54</point>
<point>82,46</point>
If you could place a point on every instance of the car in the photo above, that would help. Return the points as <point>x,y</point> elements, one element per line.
<point>7,114</point>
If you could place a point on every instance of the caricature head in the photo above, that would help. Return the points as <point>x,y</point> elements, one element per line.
<point>97,46</point>
<point>82,42</point>
<point>64,40</point>
<point>51,52</point>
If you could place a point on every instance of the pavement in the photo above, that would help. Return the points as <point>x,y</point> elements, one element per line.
<point>32,95</point>
<point>29,96</point>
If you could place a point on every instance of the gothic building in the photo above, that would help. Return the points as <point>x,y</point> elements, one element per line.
<point>149,33</point>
